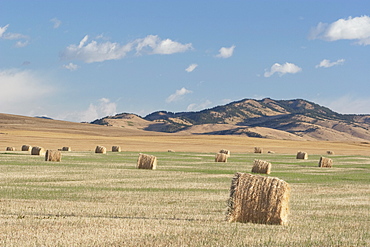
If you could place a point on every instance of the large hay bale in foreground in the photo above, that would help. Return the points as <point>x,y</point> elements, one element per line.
<point>258,199</point>
<point>261,166</point>
<point>37,151</point>
<point>100,150</point>
<point>146,161</point>
<point>325,162</point>
<point>302,155</point>
<point>10,148</point>
<point>225,151</point>
<point>66,149</point>
<point>221,157</point>
<point>116,149</point>
<point>53,155</point>
<point>26,148</point>
<point>258,150</point>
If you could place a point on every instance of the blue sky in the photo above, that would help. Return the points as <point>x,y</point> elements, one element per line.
<point>82,60</point>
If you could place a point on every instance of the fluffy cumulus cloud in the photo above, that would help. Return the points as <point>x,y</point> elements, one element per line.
<point>282,69</point>
<point>56,22</point>
<point>71,66</point>
<point>21,40</point>
<point>226,52</point>
<point>357,28</point>
<point>200,106</point>
<point>191,67</point>
<point>92,51</point>
<point>327,64</point>
<point>178,95</point>
<point>102,108</point>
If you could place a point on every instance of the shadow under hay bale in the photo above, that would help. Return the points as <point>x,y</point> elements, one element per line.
<point>66,149</point>
<point>224,151</point>
<point>325,162</point>
<point>116,149</point>
<point>37,151</point>
<point>100,150</point>
<point>221,157</point>
<point>258,199</point>
<point>302,155</point>
<point>10,149</point>
<point>146,161</point>
<point>26,148</point>
<point>261,166</point>
<point>258,150</point>
<point>53,155</point>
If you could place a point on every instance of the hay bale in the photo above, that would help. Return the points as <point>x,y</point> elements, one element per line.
<point>146,161</point>
<point>221,157</point>
<point>258,199</point>
<point>116,149</point>
<point>10,148</point>
<point>26,148</point>
<point>53,155</point>
<point>100,150</point>
<point>330,152</point>
<point>270,152</point>
<point>325,162</point>
<point>37,151</point>
<point>224,151</point>
<point>66,149</point>
<point>261,166</point>
<point>302,155</point>
<point>171,151</point>
<point>258,150</point>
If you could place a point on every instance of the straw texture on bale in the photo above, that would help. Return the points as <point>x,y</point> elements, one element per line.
<point>325,162</point>
<point>261,166</point>
<point>53,155</point>
<point>258,150</point>
<point>116,149</point>
<point>10,149</point>
<point>258,199</point>
<point>37,151</point>
<point>100,150</point>
<point>221,157</point>
<point>66,149</point>
<point>224,151</point>
<point>146,161</point>
<point>330,152</point>
<point>302,155</point>
<point>26,148</point>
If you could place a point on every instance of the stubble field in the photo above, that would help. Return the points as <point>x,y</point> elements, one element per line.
<point>92,199</point>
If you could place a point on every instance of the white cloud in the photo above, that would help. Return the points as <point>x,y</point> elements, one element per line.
<point>107,108</point>
<point>20,86</point>
<point>191,67</point>
<point>198,107</point>
<point>357,28</point>
<point>102,108</point>
<point>327,64</point>
<point>20,44</point>
<point>177,95</point>
<point>71,66</point>
<point>283,69</point>
<point>56,22</point>
<point>3,29</point>
<point>22,39</point>
<point>99,52</point>
<point>225,52</point>
<point>347,104</point>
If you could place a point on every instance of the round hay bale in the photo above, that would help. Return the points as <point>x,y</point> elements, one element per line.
<point>26,148</point>
<point>116,149</point>
<point>261,166</point>
<point>37,151</point>
<point>225,151</point>
<point>302,155</point>
<point>258,150</point>
<point>66,149</point>
<point>221,157</point>
<point>100,150</point>
<point>146,161</point>
<point>325,162</point>
<point>52,155</point>
<point>10,148</point>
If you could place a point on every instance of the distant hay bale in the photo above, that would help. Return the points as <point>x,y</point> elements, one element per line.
<point>221,157</point>
<point>261,166</point>
<point>66,149</point>
<point>100,150</point>
<point>10,148</point>
<point>37,151</point>
<point>258,150</point>
<point>171,151</point>
<point>146,161</point>
<point>325,162</point>
<point>224,151</point>
<point>258,199</point>
<point>302,155</point>
<point>270,152</point>
<point>330,152</point>
<point>116,149</point>
<point>53,155</point>
<point>26,148</point>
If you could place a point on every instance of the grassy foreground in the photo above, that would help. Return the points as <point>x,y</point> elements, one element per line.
<point>103,200</point>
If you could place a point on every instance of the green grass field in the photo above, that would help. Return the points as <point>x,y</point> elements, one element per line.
<point>103,200</point>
